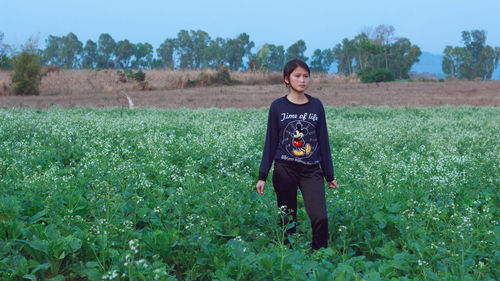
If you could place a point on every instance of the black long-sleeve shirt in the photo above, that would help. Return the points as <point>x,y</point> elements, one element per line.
<point>297,133</point>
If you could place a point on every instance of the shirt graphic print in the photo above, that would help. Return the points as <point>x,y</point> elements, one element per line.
<point>299,139</point>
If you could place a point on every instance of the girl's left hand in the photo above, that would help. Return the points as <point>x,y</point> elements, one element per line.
<point>333,184</point>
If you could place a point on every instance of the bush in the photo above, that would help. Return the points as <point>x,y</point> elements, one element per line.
<point>5,62</point>
<point>222,77</point>
<point>27,75</point>
<point>140,76</point>
<point>369,75</point>
<point>125,75</point>
<point>128,74</point>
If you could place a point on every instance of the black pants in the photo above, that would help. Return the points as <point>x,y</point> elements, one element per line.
<point>309,178</point>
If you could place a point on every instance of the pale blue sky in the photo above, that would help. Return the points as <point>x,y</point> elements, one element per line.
<point>321,24</point>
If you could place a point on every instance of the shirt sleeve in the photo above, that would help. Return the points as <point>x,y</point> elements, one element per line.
<point>271,143</point>
<point>324,146</point>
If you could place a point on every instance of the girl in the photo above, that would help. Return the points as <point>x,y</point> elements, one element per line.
<point>297,142</point>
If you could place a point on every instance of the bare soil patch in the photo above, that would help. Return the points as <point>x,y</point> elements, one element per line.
<point>332,92</point>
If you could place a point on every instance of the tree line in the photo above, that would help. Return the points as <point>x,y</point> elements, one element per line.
<point>375,48</point>
<point>473,60</point>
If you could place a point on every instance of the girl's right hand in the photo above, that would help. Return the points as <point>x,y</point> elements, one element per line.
<point>333,184</point>
<point>260,186</point>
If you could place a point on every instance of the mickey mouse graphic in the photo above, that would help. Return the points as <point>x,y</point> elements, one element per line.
<point>300,148</point>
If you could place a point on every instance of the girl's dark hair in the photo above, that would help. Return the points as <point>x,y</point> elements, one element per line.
<point>290,66</point>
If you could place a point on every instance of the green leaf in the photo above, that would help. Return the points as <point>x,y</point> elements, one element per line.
<point>91,264</point>
<point>57,248</point>
<point>343,273</point>
<point>36,218</point>
<point>381,218</point>
<point>74,243</point>
<point>92,273</point>
<point>62,255</point>
<point>20,263</point>
<point>393,207</point>
<point>497,233</point>
<point>388,250</point>
<point>33,263</point>
<point>43,266</point>
<point>224,235</point>
<point>416,247</point>
<point>322,274</point>
<point>39,245</point>
<point>372,276</point>
<point>52,232</point>
<point>403,261</point>
<point>57,278</point>
<point>30,277</point>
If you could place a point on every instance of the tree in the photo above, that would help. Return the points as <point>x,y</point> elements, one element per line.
<point>276,57</point>
<point>381,51</point>
<point>2,46</point>
<point>51,53</point>
<point>185,49</point>
<point>216,53</point>
<point>321,60</point>
<point>71,51</point>
<point>269,58</point>
<point>166,53</point>
<point>490,57</point>
<point>5,62</point>
<point>237,49</point>
<point>31,45</point>
<point>105,51</point>
<point>474,60</point>
<point>27,76</point>
<point>384,37</point>
<point>124,52</point>
<point>455,61</point>
<point>344,54</point>
<point>474,42</point>
<point>258,61</point>
<point>296,51</point>
<point>200,41</point>
<point>404,56</point>
<point>365,51</point>
<point>143,54</point>
<point>89,55</point>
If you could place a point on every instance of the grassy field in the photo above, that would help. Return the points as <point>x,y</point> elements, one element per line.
<point>150,194</point>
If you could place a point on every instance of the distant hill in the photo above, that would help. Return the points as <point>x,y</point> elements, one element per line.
<point>429,63</point>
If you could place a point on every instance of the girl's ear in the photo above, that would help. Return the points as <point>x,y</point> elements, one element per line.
<point>287,81</point>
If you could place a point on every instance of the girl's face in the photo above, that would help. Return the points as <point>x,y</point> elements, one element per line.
<point>299,80</point>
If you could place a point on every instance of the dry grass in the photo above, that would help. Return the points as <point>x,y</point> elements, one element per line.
<point>168,90</point>
<point>77,82</point>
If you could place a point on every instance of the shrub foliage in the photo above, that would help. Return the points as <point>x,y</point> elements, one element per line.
<point>369,75</point>
<point>27,75</point>
<point>221,77</point>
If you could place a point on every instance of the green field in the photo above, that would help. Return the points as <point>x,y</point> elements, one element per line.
<point>153,194</point>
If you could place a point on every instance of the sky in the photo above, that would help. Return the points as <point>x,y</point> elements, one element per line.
<point>430,24</point>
